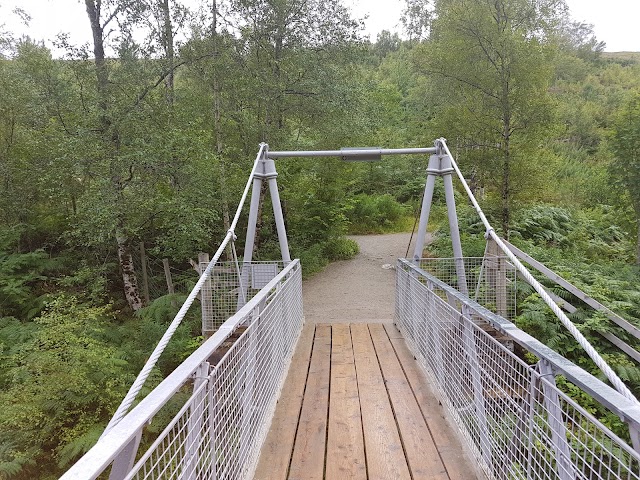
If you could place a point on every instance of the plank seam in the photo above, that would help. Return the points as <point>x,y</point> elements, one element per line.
<point>364,444</point>
<point>413,392</point>
<point>304,391</point>
<point>393,410</point>
<point>326,427</point>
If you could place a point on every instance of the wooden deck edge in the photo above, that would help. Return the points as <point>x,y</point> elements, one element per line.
<point>276,451</point>
<point>455,454</point>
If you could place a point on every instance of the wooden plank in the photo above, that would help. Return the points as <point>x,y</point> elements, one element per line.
<point>308,457</point>
<point>384,452</point>
<point>341,348</point>
<point>614,317</point>
<point>443,435</point>
<point>422,456</point>
<point>278,446</point>
<point>345,443</point>
<point>392,330</point>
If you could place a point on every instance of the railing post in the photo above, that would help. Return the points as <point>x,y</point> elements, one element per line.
<point>247,400</point>
<point>560,445</point>
<point>206,298</point>
<point>473,364</point>
<point>125,460</point>
<point>212,433</point>
<point>194,424</point>
<point>436,334</point>
<point>497,274</point>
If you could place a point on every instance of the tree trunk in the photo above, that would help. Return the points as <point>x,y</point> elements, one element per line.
<point>506,192</point>
<point>102,75</point>
<point>506,160</point>
<point>131,291</point>
<point>129,280</point>
<point>217,115</point>
<point>167,43</point>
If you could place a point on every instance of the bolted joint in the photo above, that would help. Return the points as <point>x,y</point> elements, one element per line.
<point>267,170</point>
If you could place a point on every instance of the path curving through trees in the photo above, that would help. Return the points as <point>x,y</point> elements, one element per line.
<point>358,290</point>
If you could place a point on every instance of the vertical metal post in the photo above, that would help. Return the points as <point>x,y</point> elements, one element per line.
<point>427,200</point>
<point>445,170</point>
<point>248,386</point>
<point>440,166</point>
<point>564,465</point>
<point>270,174</point>
<point>251,236</point>
<point>436,334</point>
<point>253,220</point>
<point>213,439</point>
<point>473,364</point>
<point>498,276</point>
<point>206,298</point>
<point>194,425</point>
<point>125,460</point>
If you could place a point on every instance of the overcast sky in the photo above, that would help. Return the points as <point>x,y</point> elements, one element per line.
<point>616,21</point>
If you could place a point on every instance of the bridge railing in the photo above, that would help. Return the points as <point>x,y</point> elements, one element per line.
<point>219,430</point>
<point>490,280</point>
<point>514,419</point>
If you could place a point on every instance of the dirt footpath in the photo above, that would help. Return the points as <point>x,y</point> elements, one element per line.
<point>357,290</point>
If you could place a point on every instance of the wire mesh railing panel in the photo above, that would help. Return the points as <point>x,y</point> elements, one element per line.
<point>219,432</point>
<point>515,421</point>
<point>230,286</point>
<point>490,280</point>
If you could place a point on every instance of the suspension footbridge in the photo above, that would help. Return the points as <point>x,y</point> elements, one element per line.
<point>440,389</point>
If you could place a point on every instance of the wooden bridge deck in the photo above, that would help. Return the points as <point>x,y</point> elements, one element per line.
<point>355,405</point>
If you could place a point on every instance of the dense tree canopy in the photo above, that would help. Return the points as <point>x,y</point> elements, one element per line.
<point>148,134</point>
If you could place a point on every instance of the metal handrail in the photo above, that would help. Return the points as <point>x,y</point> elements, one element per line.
<point>623,407</point>
<point>537,286</point>
<point>356,152</point>
<point>98,458</point>
<point>138,383</point>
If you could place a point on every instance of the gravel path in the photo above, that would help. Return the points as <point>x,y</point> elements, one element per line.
<point>360,289</point>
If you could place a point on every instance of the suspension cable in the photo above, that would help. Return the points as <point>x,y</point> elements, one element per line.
<point>584,343</point>
<point>164,341</point>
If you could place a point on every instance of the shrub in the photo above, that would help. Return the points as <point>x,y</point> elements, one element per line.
<point>340,248</point>
<point>376,214</point>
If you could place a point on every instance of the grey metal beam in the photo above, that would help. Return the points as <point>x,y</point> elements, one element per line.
<point>352,153</point>
<point>547,272</point>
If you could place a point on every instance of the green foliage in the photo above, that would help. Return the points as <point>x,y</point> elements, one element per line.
<point>541,119</point>
<point>340,248</point>
<point>626,146</point>
<point>62,381</point>
<point>21,276</point>
<point>544,224</point>
<point>376,214</point>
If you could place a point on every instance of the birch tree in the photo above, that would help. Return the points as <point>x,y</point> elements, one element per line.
<point>491,60</point>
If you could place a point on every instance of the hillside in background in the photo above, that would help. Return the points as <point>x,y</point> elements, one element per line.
<point>633,57</point>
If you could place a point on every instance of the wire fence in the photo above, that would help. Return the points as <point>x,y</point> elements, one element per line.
<point>230,286</point>
<point>490,281</point>
<point>219,431</point>
<point>515,421</point>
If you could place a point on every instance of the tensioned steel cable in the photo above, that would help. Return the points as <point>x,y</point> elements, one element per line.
<point>584,343</point>
<point>164,341</point>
